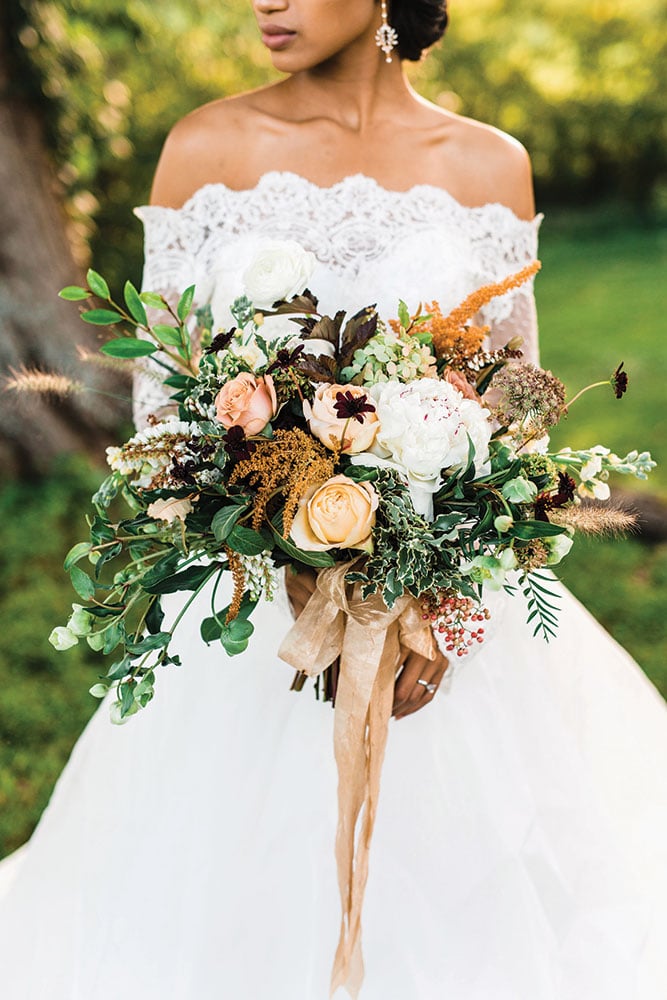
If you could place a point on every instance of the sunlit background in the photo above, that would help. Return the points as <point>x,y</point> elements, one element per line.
<point>89,90</point>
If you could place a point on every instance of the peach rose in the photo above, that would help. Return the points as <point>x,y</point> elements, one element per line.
<point>337,514</point>
<point>247,401</point>
<point>329,425</point>
<point>461,384</point>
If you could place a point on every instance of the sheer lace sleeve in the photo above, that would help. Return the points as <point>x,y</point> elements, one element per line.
<point>169,268</point>
<point>507,245</point>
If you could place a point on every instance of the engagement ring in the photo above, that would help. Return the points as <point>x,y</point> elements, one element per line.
<point>429,687</point>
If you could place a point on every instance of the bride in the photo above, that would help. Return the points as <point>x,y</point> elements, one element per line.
<point>520,844</point>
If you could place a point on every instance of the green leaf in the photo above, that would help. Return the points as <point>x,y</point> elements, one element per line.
<point>528,530</point>
<point>239,629</point>
<point>113,635</point>
<point>224,521</point>
<point>97,284</point>
<point>246,541</point>
<point>185,303</point>
<point>232,646</point>
<point>153,300</point>
<point>169,335</point>
<point>179,381</point>
<point>101,317</point>
<point>128,347</point>
<point>73,293</point>
<point>82,583</point>
<point>75,553</point>
<point>189,579</point>
<point>134,304</point>
<point>155,617</point>
<point>317,559</point>
<point>403,314</point>
<point>148,643</point>
<point>211,629</point>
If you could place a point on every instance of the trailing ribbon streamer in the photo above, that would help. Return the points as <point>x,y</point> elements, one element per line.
<point>368,637</point>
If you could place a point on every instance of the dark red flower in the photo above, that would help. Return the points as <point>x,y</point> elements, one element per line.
<point>349,407</point>
<point>221,341</point>
<point>619,381</point>
<point>237,445</point>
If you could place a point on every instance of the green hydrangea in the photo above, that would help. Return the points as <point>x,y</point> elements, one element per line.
<point>390,356</point>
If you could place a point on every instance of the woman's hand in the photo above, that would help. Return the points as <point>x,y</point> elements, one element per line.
<point>409,694</point>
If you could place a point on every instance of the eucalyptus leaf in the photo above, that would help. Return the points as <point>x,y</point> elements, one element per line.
<point>101,317</point>
<point>169,335</point>
<point>97,284</point>
<point>134,304</point>
<point>73,293</point>
<point>185,303</point>
<point>128,347</point>
<point>153,300</point>
<point>98,690</point>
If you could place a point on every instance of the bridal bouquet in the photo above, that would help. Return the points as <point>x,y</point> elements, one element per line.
<point>403,460</point>
<point>405,450</point>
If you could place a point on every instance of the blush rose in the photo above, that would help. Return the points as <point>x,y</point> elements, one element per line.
<point>326,425</point>
<point>247,401</point>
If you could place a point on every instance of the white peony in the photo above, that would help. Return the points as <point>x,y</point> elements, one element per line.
<point>425,427</point>
<point>280,270</point>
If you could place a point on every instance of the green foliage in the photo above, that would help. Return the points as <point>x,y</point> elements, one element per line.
<point>583,86</point>
<point>44,702</point>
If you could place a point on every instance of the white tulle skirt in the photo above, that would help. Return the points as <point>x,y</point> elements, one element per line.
<point>520,851</point>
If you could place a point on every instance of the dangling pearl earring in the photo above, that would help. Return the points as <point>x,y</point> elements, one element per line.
<point>386,37</point>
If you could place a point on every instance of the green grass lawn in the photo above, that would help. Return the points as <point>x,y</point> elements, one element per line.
<point>601,301</point>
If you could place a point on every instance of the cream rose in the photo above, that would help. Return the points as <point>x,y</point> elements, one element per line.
<point>247,401</point>
<point>327,424</point>
<point>169,510</point>
<point>280,270</point>
<point>338,514</point>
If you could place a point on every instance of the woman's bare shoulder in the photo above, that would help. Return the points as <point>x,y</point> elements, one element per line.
<point>206,145</point>
<point>488,166</point>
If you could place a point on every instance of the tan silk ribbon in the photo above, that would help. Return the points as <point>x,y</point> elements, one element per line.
<point>368,637</point>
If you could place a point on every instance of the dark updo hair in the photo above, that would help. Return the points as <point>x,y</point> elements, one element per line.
<point>419,23</point>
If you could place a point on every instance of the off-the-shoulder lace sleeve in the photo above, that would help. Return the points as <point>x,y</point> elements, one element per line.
<point>169,268</point>
<point>503,247</point>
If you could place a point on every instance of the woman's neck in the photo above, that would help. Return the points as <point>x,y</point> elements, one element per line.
<point>356,91</point>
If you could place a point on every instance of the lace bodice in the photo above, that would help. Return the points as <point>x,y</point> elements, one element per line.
<point>371,245</point>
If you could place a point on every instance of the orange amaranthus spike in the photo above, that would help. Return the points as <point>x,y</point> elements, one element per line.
<point>449,329</point>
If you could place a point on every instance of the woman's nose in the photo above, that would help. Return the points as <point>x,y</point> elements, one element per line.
<point>269,6</point>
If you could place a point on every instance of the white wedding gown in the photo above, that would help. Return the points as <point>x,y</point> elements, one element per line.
<point>520,850</point>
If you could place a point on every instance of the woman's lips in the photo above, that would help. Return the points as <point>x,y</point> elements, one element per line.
<point>274,36</point>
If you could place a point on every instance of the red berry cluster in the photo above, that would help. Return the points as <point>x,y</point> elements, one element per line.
<point>456,618</point>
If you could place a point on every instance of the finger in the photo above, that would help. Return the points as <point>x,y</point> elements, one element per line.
<point>407,689</point>
<point>432,671</point>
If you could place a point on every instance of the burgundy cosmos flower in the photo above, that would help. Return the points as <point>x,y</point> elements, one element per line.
<point>237,445</point>
<point>619,381</point>
<point>349,407</point>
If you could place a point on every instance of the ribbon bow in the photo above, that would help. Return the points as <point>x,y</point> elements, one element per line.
<point>368,637</point>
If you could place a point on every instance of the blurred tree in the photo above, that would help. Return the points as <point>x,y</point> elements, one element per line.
<point>36,329</point>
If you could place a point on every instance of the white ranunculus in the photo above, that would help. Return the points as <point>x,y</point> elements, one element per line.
<point>249,353</point>
<point>280,270</point>
<point>424,428</point>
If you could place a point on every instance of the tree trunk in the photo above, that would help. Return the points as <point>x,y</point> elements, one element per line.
<point>37,329</point>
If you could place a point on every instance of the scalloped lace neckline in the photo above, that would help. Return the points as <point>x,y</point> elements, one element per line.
<point>361,181</point>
